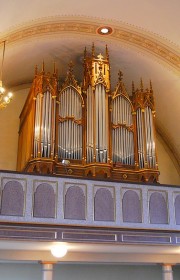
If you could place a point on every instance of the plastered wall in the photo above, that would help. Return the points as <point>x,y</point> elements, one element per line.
<point>85,272</point>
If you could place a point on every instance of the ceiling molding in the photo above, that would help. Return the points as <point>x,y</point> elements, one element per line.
<point>145,41</point>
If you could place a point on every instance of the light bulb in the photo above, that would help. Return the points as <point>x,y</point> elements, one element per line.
<point>104,30</point>
<point>59,250</point>
<point>10,94</point>
<point>2,90</point>
<point>6,99</point>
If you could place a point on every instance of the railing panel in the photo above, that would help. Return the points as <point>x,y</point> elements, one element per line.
<point>82,202</point>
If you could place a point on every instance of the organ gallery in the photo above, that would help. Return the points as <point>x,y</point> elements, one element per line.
<point>88,130</point>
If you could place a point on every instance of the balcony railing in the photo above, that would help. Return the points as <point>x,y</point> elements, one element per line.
<point>79,202</point>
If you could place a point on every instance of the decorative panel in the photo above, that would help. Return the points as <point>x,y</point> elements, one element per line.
<point>12,202</point>
<point>104,205</point>
<point>131,207</point>
<point>75,203</point>
<point>158,208</point>
<point>44,201</point>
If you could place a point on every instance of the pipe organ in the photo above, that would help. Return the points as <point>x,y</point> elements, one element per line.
<point>88,130</point>
<point>70,120</point>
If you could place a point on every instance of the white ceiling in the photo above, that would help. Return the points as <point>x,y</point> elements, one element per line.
<point>157,21</point>
<point>160,17</point>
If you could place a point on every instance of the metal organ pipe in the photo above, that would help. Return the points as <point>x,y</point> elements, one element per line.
<point>153,138</point>
<point>90,125</point>
<point>140,137</point>
<point>42,126</point>
<point>49,126</point>
<point>70,131</point>
<point>101,123</point>
<point>44,121</point>
<point>104,136</point>
<point>100,120</point>
<point>45,125</point>
<point>53,121</point>
<point>37,125</point>
<point>88,135</point>
<point>105,127</point>
<point>97,123</point>
<point>148,140</point>
<point>122,137</point>
<point>151,158</point>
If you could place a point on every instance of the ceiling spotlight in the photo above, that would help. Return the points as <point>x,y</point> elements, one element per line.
<point>104,30</point>
<point>59,250</point>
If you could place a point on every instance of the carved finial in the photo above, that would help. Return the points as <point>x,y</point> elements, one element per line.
<point>133,89</point>
<point>141,85</point>
<point>100,56</point>
<point>70,67</point>
<point>36,70</point>
<point>120,87</point>
<point>151,89</point>
<point>107,53</point>
<point>93,50</point>
<point>70,79</point>
<point>43,66</point>
<point>120,75</point>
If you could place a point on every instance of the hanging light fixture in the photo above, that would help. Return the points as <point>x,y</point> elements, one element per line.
<point>5,97</point>
<point>59,250</point>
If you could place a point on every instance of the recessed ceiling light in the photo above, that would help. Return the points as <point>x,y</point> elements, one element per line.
<point>104,30</point>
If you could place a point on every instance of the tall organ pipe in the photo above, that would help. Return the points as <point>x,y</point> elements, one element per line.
<point>123,147</point>
<point>140,137</point>
<point>70,133</point>
<point>101,113</point>
<point>151,161</point>
<point>44,120</point>
<point>153,138</point>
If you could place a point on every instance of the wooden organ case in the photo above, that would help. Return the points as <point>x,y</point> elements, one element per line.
<point>88,131</point>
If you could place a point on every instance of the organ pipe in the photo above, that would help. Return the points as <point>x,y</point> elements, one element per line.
<point>97,130</point>
<point>69,129</point>
<point>101,128</point>
<point>44,121</point>
<point>122,133</point>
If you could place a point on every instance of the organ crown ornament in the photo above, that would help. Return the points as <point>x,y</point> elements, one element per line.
<point>99,132</point>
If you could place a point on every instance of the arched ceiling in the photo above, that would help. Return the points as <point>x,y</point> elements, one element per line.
<point>144,43</point>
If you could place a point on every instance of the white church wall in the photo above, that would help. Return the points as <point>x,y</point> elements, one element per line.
<point>24,271</point>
